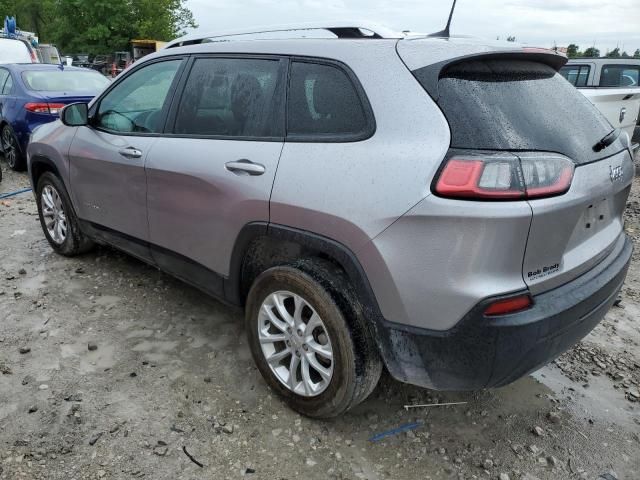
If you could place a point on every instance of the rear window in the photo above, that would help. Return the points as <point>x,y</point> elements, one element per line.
<point>64,80</point>
<point>619,76</point>
<point>14,51</point>
<point>519,105</point>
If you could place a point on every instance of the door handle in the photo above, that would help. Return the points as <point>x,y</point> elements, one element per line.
<point>130,152</point>
<point>245,167</point>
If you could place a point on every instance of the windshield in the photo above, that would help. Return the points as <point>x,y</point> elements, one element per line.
<point>64,80</point>
<point>13,51</point>
<point>520,105</point>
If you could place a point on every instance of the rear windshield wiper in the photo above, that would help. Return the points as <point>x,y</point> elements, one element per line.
<point>607,140</point>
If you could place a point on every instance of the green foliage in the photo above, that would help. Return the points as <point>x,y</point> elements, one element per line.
<point>592,52</point>
<point>573,51</point>
<point>99,26</point>
<point>636,53</point>
<point>615,53</point>
<point>511,39</point>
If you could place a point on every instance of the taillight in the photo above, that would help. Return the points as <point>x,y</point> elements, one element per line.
<point>509,305</point>
<point>43,107</point>
<point>486,176</point>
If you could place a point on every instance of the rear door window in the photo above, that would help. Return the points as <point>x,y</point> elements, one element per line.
<point>620,76</point>
<point>233,97</point>
<point>577,75</point>
<point>324,104</point>
<point>8,85</point>
<point>510,104</point>
<point>4,73</point>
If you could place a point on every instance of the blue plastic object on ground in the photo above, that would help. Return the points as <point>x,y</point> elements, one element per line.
<point>12,194</point>
<point>401,429</point>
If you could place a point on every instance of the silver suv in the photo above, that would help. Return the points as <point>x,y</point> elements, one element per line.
<point>448,209</point>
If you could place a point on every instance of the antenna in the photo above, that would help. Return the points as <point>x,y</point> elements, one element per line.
<point>445,33</point>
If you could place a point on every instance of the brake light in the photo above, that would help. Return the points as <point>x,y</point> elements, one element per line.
<point>486,176</point>
<point>509,305</point>
<point>43,107</point>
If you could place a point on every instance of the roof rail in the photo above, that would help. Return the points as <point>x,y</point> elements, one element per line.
<point>340,29</point>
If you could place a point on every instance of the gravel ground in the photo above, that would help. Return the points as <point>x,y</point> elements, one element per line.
<point>111,369</point>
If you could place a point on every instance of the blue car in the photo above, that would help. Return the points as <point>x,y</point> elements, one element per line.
<point>33,94</point>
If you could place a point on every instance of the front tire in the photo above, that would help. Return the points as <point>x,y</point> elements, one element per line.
<point>11,149</point>
<point>309,340</point>
<point>57,218</point>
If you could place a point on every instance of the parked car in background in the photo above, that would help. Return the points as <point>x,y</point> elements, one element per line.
<point>81,60</point>
<point>102,63</point>
<point>612,85</point>
<point>364,200</point>
<point>17,46</point>
<point>49,54</point>
<point>33,94</point>
<point>14,50</point>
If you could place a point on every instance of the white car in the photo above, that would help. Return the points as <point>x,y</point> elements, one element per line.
<point>13,50</point>
<point>612,85</point>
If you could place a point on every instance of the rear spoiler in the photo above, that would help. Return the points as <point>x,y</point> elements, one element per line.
<point>432,73</point>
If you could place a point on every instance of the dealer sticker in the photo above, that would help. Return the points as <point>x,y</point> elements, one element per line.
<point>543,272</point>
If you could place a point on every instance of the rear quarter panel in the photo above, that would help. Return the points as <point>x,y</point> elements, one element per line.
<point>350,192</point>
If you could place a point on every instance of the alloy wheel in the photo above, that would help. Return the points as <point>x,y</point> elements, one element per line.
<point>55,219</point>
<point>9,147</point>
<point>295,343</point>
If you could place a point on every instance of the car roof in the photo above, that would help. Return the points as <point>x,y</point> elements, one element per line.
<point>433,49</point>
<point>608,61</point>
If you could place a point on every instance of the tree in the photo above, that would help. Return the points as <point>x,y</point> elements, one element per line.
<point>637,53</point>
<point>100,26</point>
<point>31,15</point>
<point>511,38</point>
<point>592,52</point>
<point>625,55</point>
<point>573,50</point>
<point>615,53</point>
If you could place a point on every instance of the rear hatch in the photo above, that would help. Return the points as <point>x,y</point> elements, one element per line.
<point>515,101</point>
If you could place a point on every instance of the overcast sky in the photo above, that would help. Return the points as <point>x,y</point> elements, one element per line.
<point>535,22</point>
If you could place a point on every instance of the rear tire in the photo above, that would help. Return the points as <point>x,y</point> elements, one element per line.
<point>355,365</point>
<point>11,149</point>
<point>57,218</point>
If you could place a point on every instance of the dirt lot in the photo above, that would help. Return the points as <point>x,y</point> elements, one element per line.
<point>172,369</point>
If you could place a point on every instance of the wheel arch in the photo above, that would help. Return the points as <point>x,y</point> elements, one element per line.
<point>40,164</point>
<point>260,246</point>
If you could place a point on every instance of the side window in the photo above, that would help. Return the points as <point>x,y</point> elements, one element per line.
<point>135,105</point>
<point>620,76</point>
<point>577,75</point>
<point>233,97</point>
<point>323,102</point>
<point>8,85</point>
<point>630,77</point>
<point>3,78</point>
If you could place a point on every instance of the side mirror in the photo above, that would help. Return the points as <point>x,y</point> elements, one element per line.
<point>75,115</point>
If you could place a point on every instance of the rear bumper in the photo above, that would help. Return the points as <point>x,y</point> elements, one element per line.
<point>483,352</point>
